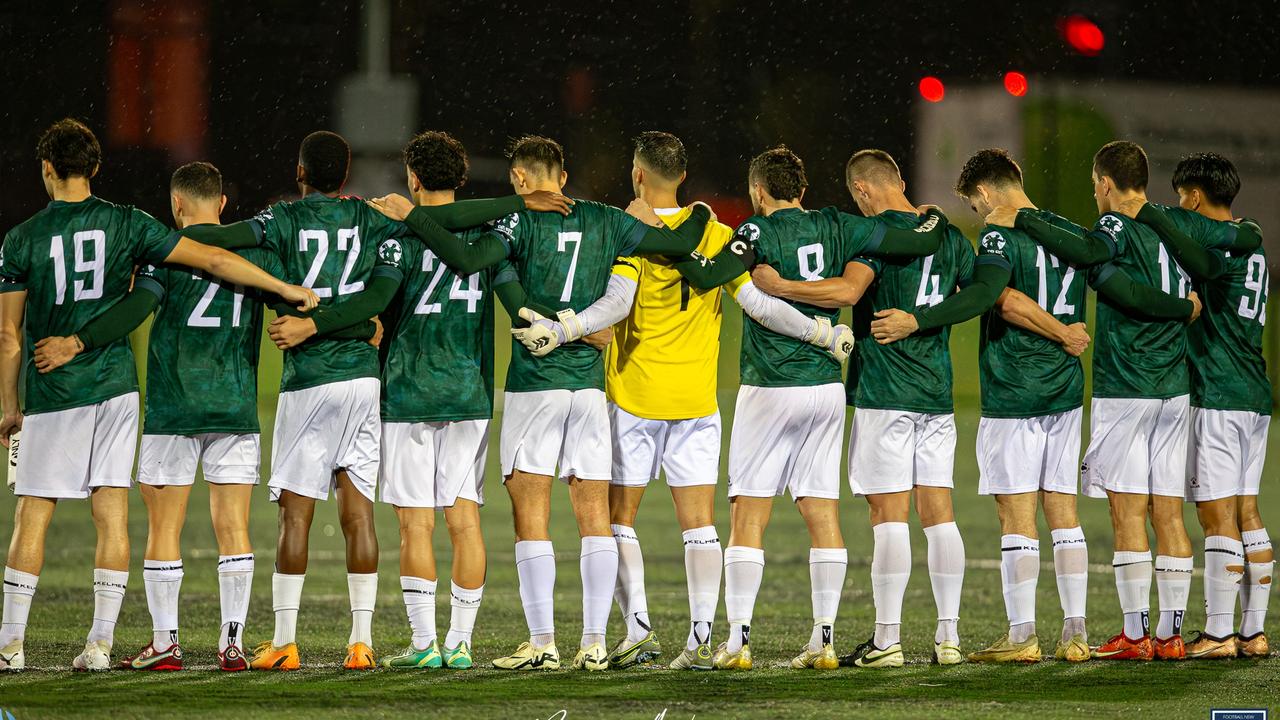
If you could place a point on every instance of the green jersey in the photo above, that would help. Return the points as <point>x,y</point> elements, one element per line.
<point>439,365</point>
<point>1135,357</point>
<point>800,245</point>
<point>1224,345</point>
<point>329,245</point>
<point>565,262</point>
<point>202,356</point>
<point>1024,374</point>
<point>912,374</point>
<point>75,260</point>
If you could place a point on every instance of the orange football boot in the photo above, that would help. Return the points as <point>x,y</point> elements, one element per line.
<point>1171,648</point>
<point>1122,648</point>
<point>269,657</point>
<point>359,657</point>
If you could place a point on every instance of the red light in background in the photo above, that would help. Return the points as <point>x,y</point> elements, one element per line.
<point>1082,34</point>
<point>1016,83</point>
<point>932,89</point>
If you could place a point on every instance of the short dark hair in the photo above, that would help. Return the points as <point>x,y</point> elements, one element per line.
<point>877,166</point>
<point>536,152</point>
<point>992,166</point>
<point>438,159</point>
<point>199,180</point>
<point>662,153</point>
<point>70,146</point>
<point>1124,162</point>
<point>1211,174</point>
<point>326,157</point>
<point>780,171</point>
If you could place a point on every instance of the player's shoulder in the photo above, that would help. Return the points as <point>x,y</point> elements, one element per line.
<point>589,210</point>
<point>1115,225</point>
<point>754,227</point>
<point>714,237</point>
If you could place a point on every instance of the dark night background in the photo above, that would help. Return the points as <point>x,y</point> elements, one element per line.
<point>248,80</point>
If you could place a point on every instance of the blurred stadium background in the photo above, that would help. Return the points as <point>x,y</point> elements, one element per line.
<point>164,82</point>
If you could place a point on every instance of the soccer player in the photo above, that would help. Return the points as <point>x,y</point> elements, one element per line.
<point>903,434</point>
<point>1032,393</point>
<point>661,383</point>
<point>66,265</point>
<point>202,407</point>
<point>555,418</point>
<point>1230,397</point>
<point>1139,417</point>
<point>789,418</point>
<point>437,399</point>
<point>327,428</point>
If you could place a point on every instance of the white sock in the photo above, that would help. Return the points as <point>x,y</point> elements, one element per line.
<point>826,578</point>
<point>162,580</point>
<point>286,598</point>
<point>599,566</point>
<point>1133,585</point>
<point>743,571</point>
<point>108,595</point>
<point>1019,572</point>
<point>1071,565</point>
<point>536,567</point>
<point>235,581</point>
<point>362,590</point>
<point>630,589</point>
<point>703,561</point>
<point>946,573</point>
<point>1173,587</point>
<point>464,606</point>
<point>1255,591</point>
<point>1223,572</point>
<point>19,588</point>
<point>420,604</point>
<point>890,571</point>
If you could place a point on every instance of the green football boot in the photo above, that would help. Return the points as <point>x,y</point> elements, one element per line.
<point>411,658</point>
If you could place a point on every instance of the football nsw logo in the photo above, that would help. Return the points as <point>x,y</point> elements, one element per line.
<point>994,242</point>
<point>749,232</point>
<point>1111,225</point>
<point>390,252</point>
<point>507,225</point>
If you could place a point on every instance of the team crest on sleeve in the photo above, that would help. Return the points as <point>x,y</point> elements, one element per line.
<point>390,251</point>
<point>507,225</point>
<point>265,216</point>
<point>994,242</point>
<point>1111,225</point>
<point>749,232</point>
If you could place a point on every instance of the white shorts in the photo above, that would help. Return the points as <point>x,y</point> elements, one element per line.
<point>172,459</point>
<point>68,453</point>
<point>323,429</point>
<point>433,464</point>
<point>688,450</point>
<point>1025,455</point>
<point>893,451</point>
<point>550,430</point>
<point>1137,445</point>
<point>1226,453</point>
<point>787,438</point>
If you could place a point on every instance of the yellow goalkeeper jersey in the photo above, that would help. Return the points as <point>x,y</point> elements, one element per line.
<point>662,362</point>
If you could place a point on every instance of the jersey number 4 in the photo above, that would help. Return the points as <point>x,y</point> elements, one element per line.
<point>472,295</point>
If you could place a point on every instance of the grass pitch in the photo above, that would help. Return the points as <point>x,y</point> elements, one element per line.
<point>63,606</point>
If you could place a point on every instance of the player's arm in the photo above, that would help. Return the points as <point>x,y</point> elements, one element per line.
<point>990,278</point>
<point>1141,300</point>
<point>655,238</point>
<point>235,270</point>
<point>117,322</point>
<point>1194,257</point>
<point>236,236</point>
<point>1021,311</point>
<point>1080,247</point>
<point>784,319</point>
<point>464,214</point>
<point>13,306</point>
<point>923,239</point>
<point>288,331</point>
<point>837,292</point>
<point>1248,237</point>
<point>545,334</point>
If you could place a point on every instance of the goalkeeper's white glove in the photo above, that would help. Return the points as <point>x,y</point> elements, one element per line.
<point>835,339</point>
<point>543,335</point>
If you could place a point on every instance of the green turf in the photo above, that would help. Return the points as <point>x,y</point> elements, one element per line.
<point>63,604</point>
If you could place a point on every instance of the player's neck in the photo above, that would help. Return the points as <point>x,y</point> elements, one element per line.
<point>770,206</point>
<point>306,190</point>
<point>1120,196</point>
<point>884,202</point>
<point>549,185</point>
<point>1215,212</point>
<point>1012,198</point>
<point>659,197</point>
<point>199,218</point>
<point>432,198</point>
<point>73,189</point>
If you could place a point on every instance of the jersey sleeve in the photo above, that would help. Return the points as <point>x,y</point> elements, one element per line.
<point>1210,234</point>
<point>627,267</point>
<point>855,232</point>
<point>995,248</point>
<point>965,257</point>
<point>152,241</point>
<point>875,264</point>
<point>392,259</point>
<point>13,263</point>
<point>1115,227</point>
<point>153,279</point>
<point>267,228</point>
<point>625,232</point>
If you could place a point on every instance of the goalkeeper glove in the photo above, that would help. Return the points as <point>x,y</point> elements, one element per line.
<point>835,339</point>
